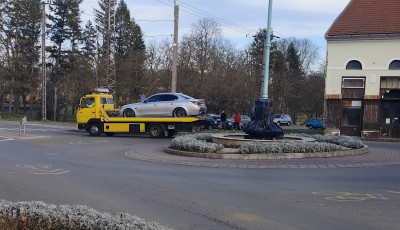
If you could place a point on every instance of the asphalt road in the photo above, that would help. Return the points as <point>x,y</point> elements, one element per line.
<point>58,165</point>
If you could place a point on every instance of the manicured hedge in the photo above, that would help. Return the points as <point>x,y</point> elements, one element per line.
<point>38,215</point>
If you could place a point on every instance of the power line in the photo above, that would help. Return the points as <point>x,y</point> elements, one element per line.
<point>224,21</point>
<point>203,14</point>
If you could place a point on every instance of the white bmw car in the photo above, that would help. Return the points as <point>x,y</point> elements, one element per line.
<point>165,105</point>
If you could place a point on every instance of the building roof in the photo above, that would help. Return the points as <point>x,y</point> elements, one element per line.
<point>367,17</point>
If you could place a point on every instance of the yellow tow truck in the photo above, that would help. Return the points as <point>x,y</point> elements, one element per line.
<point>95,115</point>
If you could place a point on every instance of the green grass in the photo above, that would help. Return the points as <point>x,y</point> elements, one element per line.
<point>307,131</point>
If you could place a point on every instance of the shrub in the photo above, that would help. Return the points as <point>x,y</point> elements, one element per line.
<point>345,141</point>
<point>196,143</point>
<point>291,147</point>
<point>38,215</point>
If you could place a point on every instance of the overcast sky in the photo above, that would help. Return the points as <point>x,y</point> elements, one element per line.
<point>239,19</point>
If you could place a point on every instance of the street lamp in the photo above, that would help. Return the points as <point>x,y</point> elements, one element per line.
<point>267,51</point>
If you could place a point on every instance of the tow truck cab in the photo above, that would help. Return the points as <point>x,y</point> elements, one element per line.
<point>95,116</point>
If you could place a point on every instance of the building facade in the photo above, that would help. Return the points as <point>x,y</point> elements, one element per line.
<point>362,92</point>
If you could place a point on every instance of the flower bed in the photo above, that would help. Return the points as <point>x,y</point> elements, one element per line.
<point>202,143</point>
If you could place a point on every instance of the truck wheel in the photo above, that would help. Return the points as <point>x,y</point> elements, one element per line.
<point>129,113</point>
<point>179,112</point>
<point>94,129</point>
<point>156,131</point>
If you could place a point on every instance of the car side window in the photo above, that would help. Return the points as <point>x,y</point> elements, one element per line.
<point>168,97</point>
<point>154,98</point>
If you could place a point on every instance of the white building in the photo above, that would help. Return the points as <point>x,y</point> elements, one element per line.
<point>362,94</point>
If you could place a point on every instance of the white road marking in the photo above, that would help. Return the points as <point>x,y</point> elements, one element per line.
<point>6,138</point>
<point>42,169</point>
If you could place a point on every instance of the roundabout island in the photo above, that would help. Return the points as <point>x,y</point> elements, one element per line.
<point>239,146</point>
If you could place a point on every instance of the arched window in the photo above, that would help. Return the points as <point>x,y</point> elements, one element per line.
<point>354,65</point>
<point>394,65</point>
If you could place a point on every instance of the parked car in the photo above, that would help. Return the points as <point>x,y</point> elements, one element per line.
<point>280,119</point>
<point>213,120</point>
<point>315,123</point>
<point>165,105</point>
<point>245,119</point>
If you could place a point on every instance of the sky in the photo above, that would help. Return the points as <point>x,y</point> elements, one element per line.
<point>239,19</point>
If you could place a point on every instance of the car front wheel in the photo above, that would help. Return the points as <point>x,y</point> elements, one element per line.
<point>288,123</point>
<point>129,113</point>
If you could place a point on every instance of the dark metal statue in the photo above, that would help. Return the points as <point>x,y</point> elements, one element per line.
<point>261,125</point>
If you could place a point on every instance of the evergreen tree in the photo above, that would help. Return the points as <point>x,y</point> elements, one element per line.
<point>130,55</point>
<point>20,26</point>
<point>65,35</point>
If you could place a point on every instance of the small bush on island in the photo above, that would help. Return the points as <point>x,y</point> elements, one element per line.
<point>196,143</point>
<point>345,141</point>
<point>290,147</point>
<point>38,215</point>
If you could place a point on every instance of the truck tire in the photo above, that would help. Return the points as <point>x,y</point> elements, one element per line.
<point>156,131</point>
<point>94,129</point>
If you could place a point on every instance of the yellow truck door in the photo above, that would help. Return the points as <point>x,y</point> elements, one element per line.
<point>87,110</point>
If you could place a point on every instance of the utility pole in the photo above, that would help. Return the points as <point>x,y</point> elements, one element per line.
<point>44,109</point>
<point>175,48</point>
<point>267,51</point>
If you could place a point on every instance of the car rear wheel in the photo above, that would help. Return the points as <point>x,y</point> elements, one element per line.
<point>129,113</point>
<point>278,123</point>
<point>179,112</point>
<point>310,127</point>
